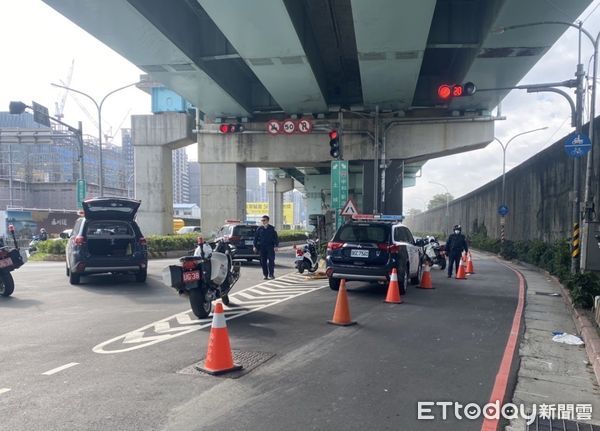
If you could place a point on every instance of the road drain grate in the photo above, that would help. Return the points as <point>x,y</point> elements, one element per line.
<point>248,360</point>
<point>541,424</point>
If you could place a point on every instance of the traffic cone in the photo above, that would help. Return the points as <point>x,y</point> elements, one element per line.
<point>426,277</point>
<point>461,274</point>
<point>341,314</point>
<point>393,292</point>
<point>470,269</point>
<point>463,257</point>
<point>219,359</point>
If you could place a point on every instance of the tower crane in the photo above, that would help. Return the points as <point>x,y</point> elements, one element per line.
<point>59,105</point>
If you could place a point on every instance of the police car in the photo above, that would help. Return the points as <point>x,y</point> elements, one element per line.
<point>240,235</point>
<point>369,246</point>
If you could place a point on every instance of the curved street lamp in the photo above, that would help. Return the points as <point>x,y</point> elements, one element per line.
<point>99,109</point>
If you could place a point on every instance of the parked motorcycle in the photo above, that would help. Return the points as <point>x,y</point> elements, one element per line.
<point>307,256</point>
<point>435,253</point>
<point>10,259</point>
<point>32,248</point>
<point>207,275</point>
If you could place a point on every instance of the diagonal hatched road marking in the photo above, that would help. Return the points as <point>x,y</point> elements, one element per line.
<point>245,301</point>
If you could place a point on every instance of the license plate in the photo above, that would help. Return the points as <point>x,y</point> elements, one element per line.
<point>250,242</point>
<point>359,253</point>
<point>191,276</point>
<point>6,262</point>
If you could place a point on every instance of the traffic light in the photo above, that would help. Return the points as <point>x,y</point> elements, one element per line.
<point>334,143</point>
<point>448,91</point>
<point>16,107</point>
<point>231,128</point>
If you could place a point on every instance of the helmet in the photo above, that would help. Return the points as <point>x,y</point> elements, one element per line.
<point>432,239</point>
<point>457,227</point>
<point>43,230</point>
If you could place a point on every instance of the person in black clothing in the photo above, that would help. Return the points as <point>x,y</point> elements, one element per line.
<point>455,245</point>
<point>266,242</point>
<point>43,235</point>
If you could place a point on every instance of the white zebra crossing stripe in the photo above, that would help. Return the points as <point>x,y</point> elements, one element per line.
<point>246,301</point>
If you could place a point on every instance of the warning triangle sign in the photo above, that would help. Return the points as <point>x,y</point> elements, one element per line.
<point>349,208</point>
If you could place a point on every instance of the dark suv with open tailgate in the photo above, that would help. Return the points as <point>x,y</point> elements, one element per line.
<point>107,239</point>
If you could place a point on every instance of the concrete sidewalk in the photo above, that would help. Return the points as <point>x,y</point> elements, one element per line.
<point>551,373</point>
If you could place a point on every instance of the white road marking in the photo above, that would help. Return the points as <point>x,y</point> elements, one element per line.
<point>4,390</point>
<point>246,301</point>
<point>64,367</point>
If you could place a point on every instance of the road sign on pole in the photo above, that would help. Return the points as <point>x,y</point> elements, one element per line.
<point>577,145</point>
<point>349,208</point>
<point>81,192</point>
<point>339,188</point>
<point>273,127</point>
<point>40,114</point>
<point>503,210</point>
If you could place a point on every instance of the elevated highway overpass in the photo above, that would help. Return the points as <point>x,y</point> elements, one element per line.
<point>368,68</point>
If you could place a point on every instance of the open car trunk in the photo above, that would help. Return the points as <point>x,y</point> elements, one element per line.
<point>110,238</point>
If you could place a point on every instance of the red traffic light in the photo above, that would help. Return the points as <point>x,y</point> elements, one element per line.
<point>333,134</point>
<point>447,91</point>
<point>231,128</point>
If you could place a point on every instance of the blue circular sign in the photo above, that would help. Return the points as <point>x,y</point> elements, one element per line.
<point>503,210</point>
<point>577,145</point>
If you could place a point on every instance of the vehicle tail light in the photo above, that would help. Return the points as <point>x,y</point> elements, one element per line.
<point>79,240</point>
<point>234,238</point>
<point>299,252</point>
<point>390,248</point>
<point>189,265</point>
<point>80,267</point>
<point>142,241</point>
<point>329,272</point>
<point>333,245</point>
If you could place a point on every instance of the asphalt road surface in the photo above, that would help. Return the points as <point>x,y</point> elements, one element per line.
<point>113,354</point>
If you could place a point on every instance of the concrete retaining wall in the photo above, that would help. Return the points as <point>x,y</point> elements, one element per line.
<point>538,194</point>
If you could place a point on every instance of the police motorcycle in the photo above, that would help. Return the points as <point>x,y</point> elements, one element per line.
<point>434,253</point>
<point>207,275</point>
<point>10,259</point>
<point>307,256</point>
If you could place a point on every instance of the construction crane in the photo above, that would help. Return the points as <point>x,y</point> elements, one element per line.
<point>59,105</point>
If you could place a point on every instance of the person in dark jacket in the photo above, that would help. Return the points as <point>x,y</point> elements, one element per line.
<point>455,245</point>
<point>266,242</point>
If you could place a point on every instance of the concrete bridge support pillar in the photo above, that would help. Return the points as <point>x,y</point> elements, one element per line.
<point>275,189</point>
<point>154,138</point>
<point>393,188</point>
<point>222,195</point>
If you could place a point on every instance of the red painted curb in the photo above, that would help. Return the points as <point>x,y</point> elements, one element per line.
<point>502,378</point>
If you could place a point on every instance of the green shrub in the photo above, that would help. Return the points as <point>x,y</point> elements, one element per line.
<point>52,246</point>
<point>291,235</point>
<point>161,243</point>
<point>584,287</point>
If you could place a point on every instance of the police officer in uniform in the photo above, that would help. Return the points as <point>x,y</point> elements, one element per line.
<point>266,241</point>
<point>455,245</point>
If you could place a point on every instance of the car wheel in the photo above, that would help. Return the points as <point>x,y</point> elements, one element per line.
<point>403,281</point>
<point>334,283</point>
<point>141,276</point>
<point>417,279</point>
<point>7,284</point>
<point>74,279</point>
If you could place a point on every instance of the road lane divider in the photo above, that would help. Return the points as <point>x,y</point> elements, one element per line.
<point>254,298</point>
<point>61,368</point>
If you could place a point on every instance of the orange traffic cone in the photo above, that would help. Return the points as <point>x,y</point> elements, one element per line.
<point>341,314</point>
<point>426,277</point>
<point>393,292</point>
<point>470,269</point>
<point>463,257</point>
<point>219,358</point>
<point>461,274</point>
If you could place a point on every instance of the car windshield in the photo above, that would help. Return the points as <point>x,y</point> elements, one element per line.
<point>363,233</point>
<point>244,230</point>
<point>105,228</point>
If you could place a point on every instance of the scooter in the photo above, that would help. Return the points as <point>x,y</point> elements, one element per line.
<point>10,259</point>
<point>435,253</point>
<point>32,248</point>
<point>207,275</point>
<point>307,256</point>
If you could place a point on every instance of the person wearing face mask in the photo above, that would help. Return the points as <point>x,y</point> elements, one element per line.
<point>455,245</point>
<point>266,243</point>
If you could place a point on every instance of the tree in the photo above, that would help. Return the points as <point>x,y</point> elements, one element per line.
<point>439,200</point>
<point>413,212</point>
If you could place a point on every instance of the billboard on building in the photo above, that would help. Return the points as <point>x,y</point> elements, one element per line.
<point>254,210</point>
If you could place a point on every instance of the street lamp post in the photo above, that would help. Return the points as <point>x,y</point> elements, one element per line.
<point>504,147</point>
<point>99,109</point>
<point>447,205</point>
<point>588,207</point>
